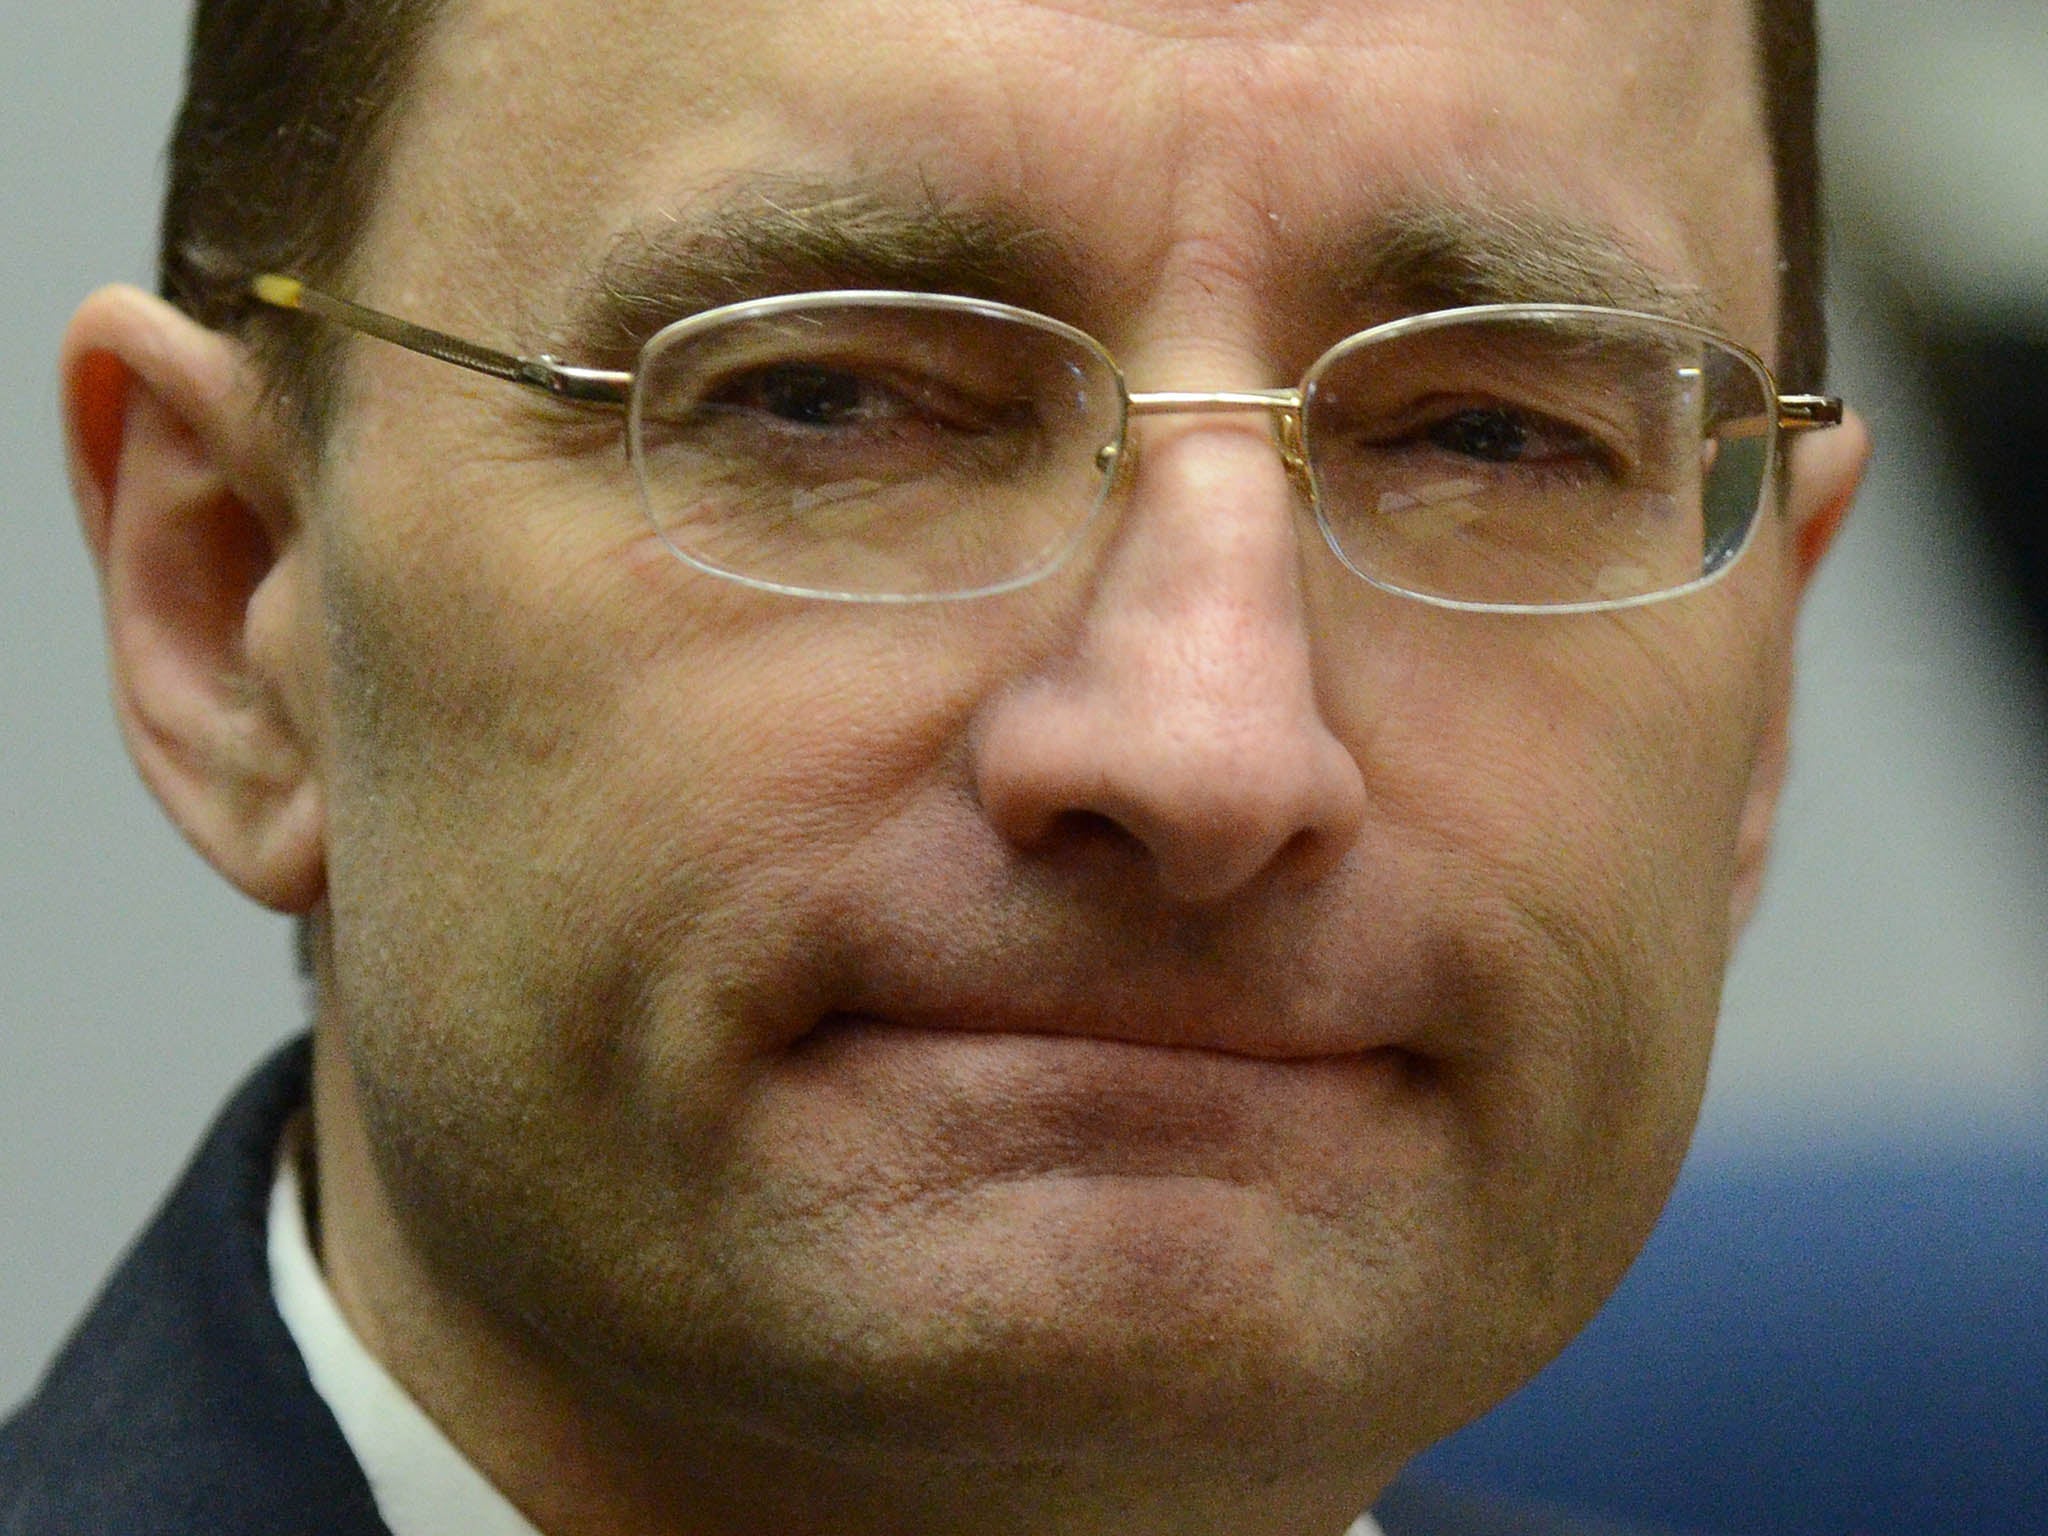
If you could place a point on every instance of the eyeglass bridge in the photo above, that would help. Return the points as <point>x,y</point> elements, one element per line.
<point>1284,405</point>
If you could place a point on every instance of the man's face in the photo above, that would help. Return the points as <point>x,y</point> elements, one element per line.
<point>1196,1011</point>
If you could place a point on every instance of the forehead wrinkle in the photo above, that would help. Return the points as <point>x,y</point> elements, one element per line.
<point>781,234</point>
<point>1437,255</point>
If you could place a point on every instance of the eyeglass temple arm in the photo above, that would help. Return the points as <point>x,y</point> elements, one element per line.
<point>1809,413</point>
<point>578,386</point>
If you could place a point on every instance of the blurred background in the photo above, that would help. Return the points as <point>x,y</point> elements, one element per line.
<point>1872,1159</point>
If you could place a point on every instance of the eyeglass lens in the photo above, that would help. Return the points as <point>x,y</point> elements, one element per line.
<point>874,449</point>
<point>1537,460</point>
<point>889,449</point>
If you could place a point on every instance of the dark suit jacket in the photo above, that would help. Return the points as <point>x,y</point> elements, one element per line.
<point>181,1406</point>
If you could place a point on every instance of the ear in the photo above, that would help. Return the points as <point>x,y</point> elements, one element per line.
<point>1824,471</point>
<point>183,488</point>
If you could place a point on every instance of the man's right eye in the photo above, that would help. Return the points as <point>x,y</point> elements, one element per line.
<point>806,395</point>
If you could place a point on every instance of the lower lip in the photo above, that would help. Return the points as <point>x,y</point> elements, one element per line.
<point>1016,1102</point>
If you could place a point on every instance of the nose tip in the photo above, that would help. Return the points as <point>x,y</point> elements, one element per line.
<point>1184,725</point>
<point>1210,809</point>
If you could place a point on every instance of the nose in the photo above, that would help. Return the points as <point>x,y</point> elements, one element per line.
<point>1180,724</point>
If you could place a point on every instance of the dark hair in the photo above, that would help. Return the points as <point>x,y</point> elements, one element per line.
<point>274,163</point>
<point>1788,62</point>
<point>279,148</point>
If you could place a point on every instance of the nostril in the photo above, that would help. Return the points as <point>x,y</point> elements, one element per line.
<point>1083,833</point>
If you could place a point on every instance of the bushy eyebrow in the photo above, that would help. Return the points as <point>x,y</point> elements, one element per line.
<point>1430,255</point>
<point>782,235</point>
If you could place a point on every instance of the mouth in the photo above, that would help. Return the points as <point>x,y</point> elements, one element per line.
<point>1137,1037</point>
<point>1024,1102</point>
<point>1273,1019</point>
<point>1192,1045</point>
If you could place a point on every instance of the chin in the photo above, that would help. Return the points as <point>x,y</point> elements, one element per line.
<point>1063,1316</point>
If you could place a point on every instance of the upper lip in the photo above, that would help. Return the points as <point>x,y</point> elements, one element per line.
<point>1340,969</point>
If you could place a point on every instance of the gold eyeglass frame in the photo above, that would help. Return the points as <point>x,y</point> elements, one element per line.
<point>612,389</point>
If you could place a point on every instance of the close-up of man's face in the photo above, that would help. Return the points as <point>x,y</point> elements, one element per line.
<point>1190,1023</point>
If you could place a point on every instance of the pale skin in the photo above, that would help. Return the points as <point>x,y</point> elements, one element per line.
<point>1146,1053</point>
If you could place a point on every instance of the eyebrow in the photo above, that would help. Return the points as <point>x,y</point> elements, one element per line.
<point>783,235</point>
<point>780,234</point>
<point>1427,255</point>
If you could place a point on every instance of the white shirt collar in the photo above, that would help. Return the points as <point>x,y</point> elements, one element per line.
<point>422,1484</point>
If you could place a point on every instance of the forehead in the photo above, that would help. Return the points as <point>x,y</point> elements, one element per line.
<point>1193,143</point>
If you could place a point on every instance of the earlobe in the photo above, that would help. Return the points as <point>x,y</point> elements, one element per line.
<point>1826,469</point>
<point>184,496</point>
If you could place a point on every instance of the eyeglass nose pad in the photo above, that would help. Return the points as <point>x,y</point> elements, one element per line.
<point>1293,451</point>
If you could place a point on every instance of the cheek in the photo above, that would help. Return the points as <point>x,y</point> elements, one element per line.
<point>564,763</point>
<point>1575,786</point>
<point>1590,771</point>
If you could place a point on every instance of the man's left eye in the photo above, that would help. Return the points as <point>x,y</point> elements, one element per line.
<point>1503,435</point>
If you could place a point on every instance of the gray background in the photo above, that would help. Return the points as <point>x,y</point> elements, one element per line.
<point>1894,990</point>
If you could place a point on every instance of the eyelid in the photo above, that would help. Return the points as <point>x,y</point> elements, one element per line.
<point>924,397</point>
<point>1444,403</point>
